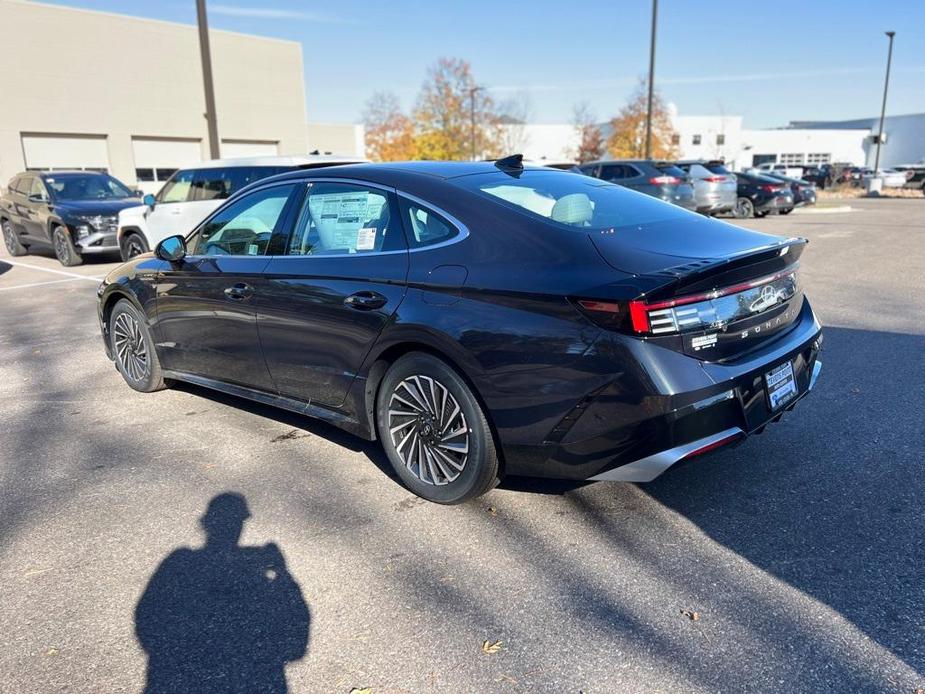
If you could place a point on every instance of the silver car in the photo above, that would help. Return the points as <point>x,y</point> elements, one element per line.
<point>714,186</point>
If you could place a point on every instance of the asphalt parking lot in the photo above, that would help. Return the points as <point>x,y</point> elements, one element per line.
<point>801,553</point>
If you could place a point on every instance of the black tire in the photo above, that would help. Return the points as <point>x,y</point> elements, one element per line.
<point>13,246</point>
<point>760,215</point>
<point>786,211</point>
<point>65,249</point>
<point>132,244</point>
<point>133,349</point>
<point>428,424</point>
<point>743,209</point>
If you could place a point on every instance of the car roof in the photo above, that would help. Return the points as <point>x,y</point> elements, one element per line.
<point>387,172</point>
<point>285,160</point>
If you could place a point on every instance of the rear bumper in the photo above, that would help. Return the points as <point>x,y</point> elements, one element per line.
<point>634,436</point>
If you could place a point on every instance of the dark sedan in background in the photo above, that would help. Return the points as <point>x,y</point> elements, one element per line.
<point>478,319</point>
<point>760,195</point>
<point>804,192</point>
<point>73,212</point>
<point>660,179</point>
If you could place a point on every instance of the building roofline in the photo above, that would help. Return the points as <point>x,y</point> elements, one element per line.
<point>150,20</point>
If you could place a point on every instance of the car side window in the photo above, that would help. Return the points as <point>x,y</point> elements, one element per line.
<point>211,184</point>
<point>612,172</point>
<point>425,227</point>
<point>342,218</point>
<point>38,188</point>
<point>177,189</point>
<point>243,227</point>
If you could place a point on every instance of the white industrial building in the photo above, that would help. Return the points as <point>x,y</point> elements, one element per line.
<point>94,90</point>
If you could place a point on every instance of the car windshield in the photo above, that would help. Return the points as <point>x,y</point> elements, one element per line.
<point>86,187</point>
<point>575,201</point>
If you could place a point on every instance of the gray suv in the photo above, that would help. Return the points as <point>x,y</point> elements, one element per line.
<point>660,179</point>
<point>714,185</point>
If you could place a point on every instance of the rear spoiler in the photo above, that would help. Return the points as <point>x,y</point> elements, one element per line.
<point>712,273</point>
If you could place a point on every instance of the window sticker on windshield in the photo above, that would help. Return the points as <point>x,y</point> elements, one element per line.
<point>366,239</point>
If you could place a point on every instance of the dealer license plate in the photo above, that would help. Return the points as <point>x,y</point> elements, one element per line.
<point>781,385</point>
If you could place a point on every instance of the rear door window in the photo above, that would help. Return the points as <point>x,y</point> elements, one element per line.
<point>613,172</point>
<point>345,219</point>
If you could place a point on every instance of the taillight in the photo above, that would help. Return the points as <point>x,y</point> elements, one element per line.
<point>694,311</point>
<point>769,188</point>
<point>715,179</point>
<point>665,181</point>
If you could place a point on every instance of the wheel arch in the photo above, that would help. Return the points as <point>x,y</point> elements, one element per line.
<point>112,295</point>
<point>388,354</point>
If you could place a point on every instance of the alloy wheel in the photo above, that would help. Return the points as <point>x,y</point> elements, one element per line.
<point>428,429</point>
<point>131,350</point>
<point>8,237</point>
<point>62,247</point>
<point>133,247</point>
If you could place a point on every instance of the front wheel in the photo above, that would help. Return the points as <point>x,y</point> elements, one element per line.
<point>132,245</point>
<point>65,250</point>
<point>786,211</point>
<point>434,431</point>
<point>11,241</point>
<point>744,209</point>
<point>133,349</point>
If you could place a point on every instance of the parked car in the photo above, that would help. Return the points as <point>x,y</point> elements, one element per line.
<point>853,174</point>
<point>915,176</point>
<point>72,212</point>
<point>891,177</point>
<point>761,195</point>
<point>190,195</point>
<point>794,171</point>
<point>804,192</point>
<point>714,185</point>
<point>604,335</point>
<point>660,179</point>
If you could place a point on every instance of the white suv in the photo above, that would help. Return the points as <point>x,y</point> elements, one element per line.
<point>190,195</point>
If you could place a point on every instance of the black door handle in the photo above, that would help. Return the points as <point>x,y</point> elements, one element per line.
<point>239,292</point>
<point>366,301</point>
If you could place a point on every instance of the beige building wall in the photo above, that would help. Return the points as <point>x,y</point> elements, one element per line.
<point>343,139</point>
<point>77,72</point>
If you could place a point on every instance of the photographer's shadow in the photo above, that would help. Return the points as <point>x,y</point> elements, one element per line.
<point>222,618</point>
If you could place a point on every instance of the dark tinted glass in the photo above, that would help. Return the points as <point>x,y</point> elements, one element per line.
<point>144,174</point>
<point>424,226</point>
<point>671,170</point>
<point>577,202</point>
<point>211,184</point>
<point>612,172</point>
<point>718,169</point>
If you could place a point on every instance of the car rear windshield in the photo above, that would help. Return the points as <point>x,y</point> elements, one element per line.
<point>571,200</point>
<point>671,170</point>
<point>718,168</point>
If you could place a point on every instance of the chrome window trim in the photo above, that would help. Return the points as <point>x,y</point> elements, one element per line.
<point>462,229</point>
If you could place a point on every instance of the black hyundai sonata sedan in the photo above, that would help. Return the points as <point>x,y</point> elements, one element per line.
<point>479,319</point>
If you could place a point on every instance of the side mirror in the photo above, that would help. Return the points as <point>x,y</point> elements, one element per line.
<point>138,193</point>
<point>37,197</point>
<point>172,249</point>
<point>149,200</point>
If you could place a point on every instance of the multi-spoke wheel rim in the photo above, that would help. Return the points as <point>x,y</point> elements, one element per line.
<point>61,248</point>
<point>428,429</point>
<point>743,208</point>
<point>131,350</point>
<point>8,237</point>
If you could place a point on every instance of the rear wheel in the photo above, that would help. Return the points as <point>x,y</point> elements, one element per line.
<point>743,209</point>
<point>786,211</point>
<point>11,241</point>
<point>133,348</point>
<point>434,431</point>
<point>760,215</point>
<point>65,249</point>
<point>132,245</point>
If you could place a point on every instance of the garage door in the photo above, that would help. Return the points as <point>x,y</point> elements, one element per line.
<point>248,148</point>
<point>156,159</point>
<point>65,152</point>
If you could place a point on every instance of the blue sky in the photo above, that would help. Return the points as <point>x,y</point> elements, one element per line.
<point>770,62</point>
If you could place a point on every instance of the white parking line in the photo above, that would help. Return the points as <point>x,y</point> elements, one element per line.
<point>46,269</point>
<point>40,284</point>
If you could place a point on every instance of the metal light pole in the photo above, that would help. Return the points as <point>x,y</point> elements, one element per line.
<point>886,85</point>
<point>651,80</point>
<point>472,91</point>
<point>207,78</point>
